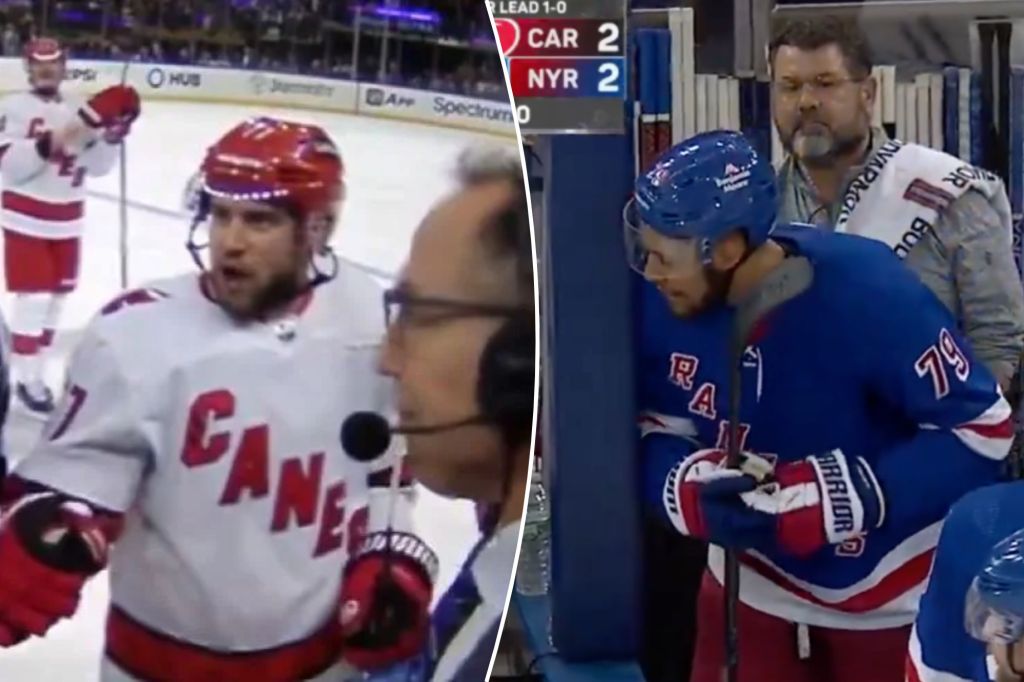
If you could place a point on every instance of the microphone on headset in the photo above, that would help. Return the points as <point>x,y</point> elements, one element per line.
<point>365,436</point>
<point>393,603</point>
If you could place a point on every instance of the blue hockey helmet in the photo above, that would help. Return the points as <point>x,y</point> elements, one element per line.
<point>994,611</point>
<point>703,188</point>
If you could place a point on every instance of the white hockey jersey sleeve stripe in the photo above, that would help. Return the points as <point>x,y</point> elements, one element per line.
<point>887,597</point>
<point>991,434</point>
<point>89,115</point>
<point>917,671</point>
<point>656,422</point>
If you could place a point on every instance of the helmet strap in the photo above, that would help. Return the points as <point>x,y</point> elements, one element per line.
<point>719,283</point>
<point>320,275</point>
<point>705,251</point>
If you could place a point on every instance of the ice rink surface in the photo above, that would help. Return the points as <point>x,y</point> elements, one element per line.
<point>394,172</point>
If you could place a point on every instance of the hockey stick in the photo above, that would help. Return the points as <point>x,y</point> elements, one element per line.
<point>123,153</point>
<point>790,279</point>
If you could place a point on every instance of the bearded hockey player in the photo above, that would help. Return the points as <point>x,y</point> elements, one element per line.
<point>197,447</point>
<point>49,143</point>
<point>978,564</point>
<point>862,417</point>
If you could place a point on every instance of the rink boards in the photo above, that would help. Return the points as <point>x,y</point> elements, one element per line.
<point>237,86</point>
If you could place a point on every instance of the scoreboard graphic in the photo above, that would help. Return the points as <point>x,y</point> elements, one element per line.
<point>566,63</point>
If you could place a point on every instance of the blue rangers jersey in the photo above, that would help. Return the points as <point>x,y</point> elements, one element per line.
<point>867,361</point>
<point>940,648</point>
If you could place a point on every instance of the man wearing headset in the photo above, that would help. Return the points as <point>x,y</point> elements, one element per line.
<point>460,347</point>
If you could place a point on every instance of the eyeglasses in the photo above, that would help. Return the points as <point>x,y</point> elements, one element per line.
<point>821,87</point>
<point>404,310</point>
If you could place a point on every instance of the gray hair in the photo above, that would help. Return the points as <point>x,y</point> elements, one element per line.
<point>507,233</point>
<point>483,163</point>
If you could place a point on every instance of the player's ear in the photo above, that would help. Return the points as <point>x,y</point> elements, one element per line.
<point>729,250</point>
<point>869,91</point>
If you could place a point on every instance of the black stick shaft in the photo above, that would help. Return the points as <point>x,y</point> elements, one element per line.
<point>123,195</point>
<point>788,280</point>
<point>732,565</point>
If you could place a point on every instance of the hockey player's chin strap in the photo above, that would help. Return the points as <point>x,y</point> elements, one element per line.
<point>719,283</point>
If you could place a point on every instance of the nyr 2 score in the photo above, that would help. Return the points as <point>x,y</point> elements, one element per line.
<point>562,58</point>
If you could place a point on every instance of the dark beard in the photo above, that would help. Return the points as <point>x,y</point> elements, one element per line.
<point>718,289</point>
<point>281,291</point>
<point>277,295</point>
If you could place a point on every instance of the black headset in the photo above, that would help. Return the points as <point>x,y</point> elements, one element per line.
<point>506,389</point>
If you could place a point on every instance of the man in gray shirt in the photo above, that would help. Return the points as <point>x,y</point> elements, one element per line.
<point>838,169</point>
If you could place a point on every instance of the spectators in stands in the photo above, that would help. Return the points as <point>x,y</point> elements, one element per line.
<point>449,50</point>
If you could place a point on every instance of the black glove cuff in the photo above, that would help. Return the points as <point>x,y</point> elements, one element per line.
<point>39,523</point>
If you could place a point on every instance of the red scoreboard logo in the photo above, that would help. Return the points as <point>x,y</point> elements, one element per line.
<point>532,37</point>
<point>508,35</point>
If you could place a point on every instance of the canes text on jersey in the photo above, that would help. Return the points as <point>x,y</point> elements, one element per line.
<point>67,163</point>
<point>296,500</point>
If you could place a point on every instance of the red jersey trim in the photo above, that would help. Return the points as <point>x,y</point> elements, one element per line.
<point>150,655</point>
<point>892,586</point>
<point>42,210</point>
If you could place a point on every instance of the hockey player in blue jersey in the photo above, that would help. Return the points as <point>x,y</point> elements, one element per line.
<point>945,646</point>
<point>863,415</point>
<point>995,607</point>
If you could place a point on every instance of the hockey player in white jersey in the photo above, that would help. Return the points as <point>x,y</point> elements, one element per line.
<point>49,142</point>
<point>197,446</point>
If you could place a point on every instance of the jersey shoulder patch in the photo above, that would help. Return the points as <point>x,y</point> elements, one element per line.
<point>144,310</point>
<point>133,297</point>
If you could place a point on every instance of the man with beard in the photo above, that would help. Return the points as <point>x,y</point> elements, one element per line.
<point>835,505</point>
<point>196,448</point>
<point>949,221</point>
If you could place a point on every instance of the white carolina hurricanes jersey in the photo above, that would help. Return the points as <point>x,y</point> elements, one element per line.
<point>44,198</point>
<point>219,441</point>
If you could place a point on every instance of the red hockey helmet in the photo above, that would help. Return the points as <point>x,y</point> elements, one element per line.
<point>289,164</point>
<point>44,50</point>
<point>45,61</point>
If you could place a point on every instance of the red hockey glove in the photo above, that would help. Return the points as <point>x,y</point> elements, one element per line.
<point>49,547</point>
<point>823,500</point>
<point>703,499</point>
<point>114,110</point>
<point>385,600</point>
